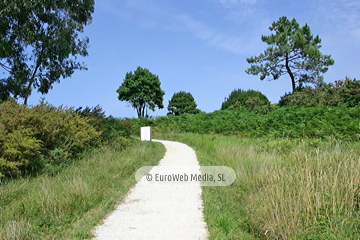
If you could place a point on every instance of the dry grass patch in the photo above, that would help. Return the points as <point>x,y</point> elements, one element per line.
<point>285,189</point>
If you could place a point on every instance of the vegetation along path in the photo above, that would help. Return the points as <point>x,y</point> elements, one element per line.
<point>159,211</point>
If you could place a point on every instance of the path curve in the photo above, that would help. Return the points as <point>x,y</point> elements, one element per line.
<point>159,212</point>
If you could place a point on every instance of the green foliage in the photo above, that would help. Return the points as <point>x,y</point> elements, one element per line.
<point>346,91</point>
<point>136,123</point>
<point>18,149</point>
<point>6,98</point>
<point>311,97</point>
<point>142,90</point>
<point>322,122</point>
<point>39,43</point>
<point>181,103</point>
<point>294,51</point>
<point>111,128</point>
<point>33,138</point>
<point>349,90</point>
<point>240,98</point>
<point>116,128</point>
<point>95,115</point>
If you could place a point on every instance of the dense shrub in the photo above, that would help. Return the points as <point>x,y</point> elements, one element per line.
<point>349,90</point>
<point>109,127</point>
<point>240,98</point>
<point>116,128</point>
<point>17,150</point>
<point>294,121</point>
<point>32,138</point>
<point>96,116</point>
<point>331,94</point>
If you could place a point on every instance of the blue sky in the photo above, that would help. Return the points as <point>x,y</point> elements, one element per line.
<point>199,46</point>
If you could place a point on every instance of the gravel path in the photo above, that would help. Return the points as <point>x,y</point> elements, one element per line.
<point>159,211</point>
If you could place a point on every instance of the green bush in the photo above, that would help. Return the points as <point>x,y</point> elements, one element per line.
<point>136,123</point>
<point>116,128</point>
<point>331,94</point>
<point>349,90</point>
<point>96,116</point>
<point>18,148</point>
<point>32,138</point>
<point>109,127</point>
<point>321,121</point>
<point>240,98</point>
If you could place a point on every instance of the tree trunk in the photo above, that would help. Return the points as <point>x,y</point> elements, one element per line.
<point>290,73</point>
<point>28,92</point>
<point>25,100</point>
<point>138,110</point>
<point>28,89</point>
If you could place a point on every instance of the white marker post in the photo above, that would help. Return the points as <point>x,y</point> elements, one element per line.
<point>145,133</point>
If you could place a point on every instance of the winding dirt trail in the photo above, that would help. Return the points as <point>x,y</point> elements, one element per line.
<point>159,211</point>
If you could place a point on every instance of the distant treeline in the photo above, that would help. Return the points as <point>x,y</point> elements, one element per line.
<point>325,111</point>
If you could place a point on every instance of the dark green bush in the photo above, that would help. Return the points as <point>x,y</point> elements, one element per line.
<point>331,94</point>
<point>96,116</point>
<point>116,127</point>
<point>240,98</point>
<point>349,90</point>
<point>110,127</point>
<point>321,121</point>
<point>136,123</point>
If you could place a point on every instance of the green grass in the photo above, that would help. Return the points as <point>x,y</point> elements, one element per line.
<point>285,188</point>
<point>69,204</point>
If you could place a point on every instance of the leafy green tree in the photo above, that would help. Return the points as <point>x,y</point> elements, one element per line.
<point>249,98</point>
<point>142,90</point>
<point>294,51</point>
<point>40,43</point>
<point>182,102</point>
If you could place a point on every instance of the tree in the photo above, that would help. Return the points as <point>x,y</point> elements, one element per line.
<point>182,102</point>
<point>142,90</point>
<point>294,51</point>
<point>249,98</point>
<point>40,43</point>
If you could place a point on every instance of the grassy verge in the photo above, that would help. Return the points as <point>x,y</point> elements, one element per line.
<point>69,204</point>
<point>285,189</point>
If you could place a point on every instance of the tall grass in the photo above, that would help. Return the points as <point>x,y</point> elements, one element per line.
<point>285,189</point>
<point>69,204</point>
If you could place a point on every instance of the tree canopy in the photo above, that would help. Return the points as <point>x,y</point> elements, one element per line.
<point>182,102</point>
<point>294,51</point>
<point>40,43</point>
<point>142,89</point>
<point>249,98</point>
